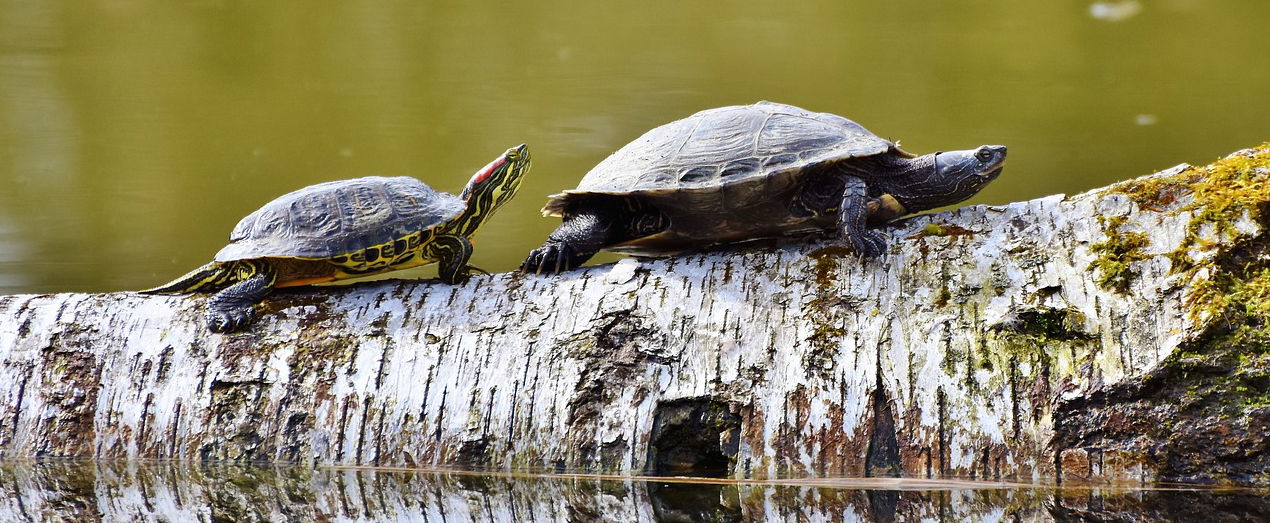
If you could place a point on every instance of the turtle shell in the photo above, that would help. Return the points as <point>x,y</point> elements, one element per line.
<point>743,153</point>
<point>336,218</point>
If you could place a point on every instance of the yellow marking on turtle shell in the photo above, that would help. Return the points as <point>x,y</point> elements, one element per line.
<point>385,254</point>
<point>414,262</point>
<point>400,253</point>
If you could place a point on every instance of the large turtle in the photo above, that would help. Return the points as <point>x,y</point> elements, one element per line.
<point>348,229</point>
<point>752,171</point>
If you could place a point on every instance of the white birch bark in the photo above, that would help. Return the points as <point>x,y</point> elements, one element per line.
<point>944,356</point>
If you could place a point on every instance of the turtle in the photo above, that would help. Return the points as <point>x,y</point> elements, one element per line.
<point>349,229</point>
<point>745,172</point>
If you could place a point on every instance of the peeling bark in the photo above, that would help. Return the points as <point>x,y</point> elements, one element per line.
<point>982,345</point>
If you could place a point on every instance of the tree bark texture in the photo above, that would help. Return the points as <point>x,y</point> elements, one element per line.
<point>1061,338</point>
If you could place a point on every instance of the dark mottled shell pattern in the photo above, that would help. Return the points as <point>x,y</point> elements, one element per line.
<point>338,218</point>
<point>729,147</point>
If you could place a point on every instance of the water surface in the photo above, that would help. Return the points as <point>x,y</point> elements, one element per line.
<point>165,491</point>
<point>135,133</point>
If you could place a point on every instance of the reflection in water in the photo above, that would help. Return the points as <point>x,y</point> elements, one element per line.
<point>1115,11</point>
<point>70,490</point>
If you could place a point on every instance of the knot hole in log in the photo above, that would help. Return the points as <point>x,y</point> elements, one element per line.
<point>697,436</point>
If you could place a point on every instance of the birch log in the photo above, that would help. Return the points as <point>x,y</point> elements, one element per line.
<point>1113,335</point>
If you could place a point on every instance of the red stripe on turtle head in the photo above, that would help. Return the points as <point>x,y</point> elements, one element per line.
<point>484,173</point>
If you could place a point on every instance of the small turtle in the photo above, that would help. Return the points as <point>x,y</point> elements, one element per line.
<point>349,229</point>
<point>753,171</point>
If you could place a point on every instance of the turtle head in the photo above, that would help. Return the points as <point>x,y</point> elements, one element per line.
<point>953,177</point>
<point>494,185</point>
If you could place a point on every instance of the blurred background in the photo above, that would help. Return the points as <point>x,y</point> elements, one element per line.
<point>134,134</point>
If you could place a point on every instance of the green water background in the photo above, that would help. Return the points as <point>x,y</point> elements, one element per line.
<point>134,134</point>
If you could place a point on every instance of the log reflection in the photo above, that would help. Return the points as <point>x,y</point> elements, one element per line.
<point>92,491</point>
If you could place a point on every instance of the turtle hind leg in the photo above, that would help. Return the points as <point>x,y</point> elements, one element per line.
<point>853,217</point>
<point>234,307</point>
<point>210,277</point>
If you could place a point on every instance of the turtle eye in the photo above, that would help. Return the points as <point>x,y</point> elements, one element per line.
<point>983,155</point>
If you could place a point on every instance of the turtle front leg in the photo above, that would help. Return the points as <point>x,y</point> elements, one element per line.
<point>853,217</point>
<point>452,252</point>
<point>234,307</point>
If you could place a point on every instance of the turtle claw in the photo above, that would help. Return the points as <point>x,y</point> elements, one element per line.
<point>870,244</point>
<point>530,265</point>
<point>229,320</point>
<point>562,259</point>
<point>235,307</point>
<point>552,258</point>
<point>533,262</point>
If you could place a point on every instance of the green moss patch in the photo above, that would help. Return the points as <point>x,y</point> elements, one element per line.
<point>1221,194</point>
<point>941,230</point>
<point>1228,372</point>
<point>1052,324</point>
<point>1117,254</point>
<point>825,309</point>
<point>1225,188</point>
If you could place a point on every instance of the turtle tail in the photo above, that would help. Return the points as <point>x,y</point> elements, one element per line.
<point>211,277</point>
